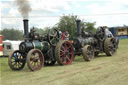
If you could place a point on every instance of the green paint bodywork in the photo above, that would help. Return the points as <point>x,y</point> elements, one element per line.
<point>43,46</point>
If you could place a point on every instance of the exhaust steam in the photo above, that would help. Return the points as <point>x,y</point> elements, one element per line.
<point>24,8</point>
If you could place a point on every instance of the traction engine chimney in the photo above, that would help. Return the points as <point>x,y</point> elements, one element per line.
<point>26,28</point>
<point>78,28</point>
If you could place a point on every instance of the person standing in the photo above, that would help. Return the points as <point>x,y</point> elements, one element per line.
<point>60,34</point>
<point>66,35</point>
<point>107,32</point>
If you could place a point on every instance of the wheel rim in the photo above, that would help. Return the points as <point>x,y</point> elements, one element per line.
<point>90,52</point>
<point>16,61</point>
<point>66,53</point>
<point>112,46</point>
<point>35,60</point>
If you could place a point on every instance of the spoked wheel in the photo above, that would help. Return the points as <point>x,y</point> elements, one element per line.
<point>88,53</point>
<point>49,62</point>
<point>110,46</point>
<point>53,37</point>
<point>35,59</point>
<point>16,61</point>
<point>64,52</point>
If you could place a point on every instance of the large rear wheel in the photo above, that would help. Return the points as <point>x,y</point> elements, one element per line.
<point>110,46</point>
<point>64,52</point>
<point>35,59</point>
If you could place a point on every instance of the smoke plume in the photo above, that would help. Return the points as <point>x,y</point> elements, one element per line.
<point>24,8</point>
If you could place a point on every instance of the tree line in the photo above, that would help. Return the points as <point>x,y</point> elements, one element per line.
<point>66,23</point>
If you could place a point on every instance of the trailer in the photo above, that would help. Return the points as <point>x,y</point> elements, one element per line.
<point>9,47</point>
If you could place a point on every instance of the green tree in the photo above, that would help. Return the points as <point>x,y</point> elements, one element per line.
<point>68,23</point>
<point>12,34</point>
<point>88,26</point>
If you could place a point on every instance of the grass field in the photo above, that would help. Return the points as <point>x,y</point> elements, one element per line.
<point>102,70</point>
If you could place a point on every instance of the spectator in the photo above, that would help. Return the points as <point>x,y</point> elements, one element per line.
<point>107,32</point>
<point>60,34</point>
<point>66,35</point>
<point>63,36</point>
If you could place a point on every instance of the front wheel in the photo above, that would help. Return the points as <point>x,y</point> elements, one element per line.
<point>88,52</point>
<point>35,59</point>
<point>16,61</point>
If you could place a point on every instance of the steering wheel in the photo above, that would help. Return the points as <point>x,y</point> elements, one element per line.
<point>53,37</point>
<point>100,33</point>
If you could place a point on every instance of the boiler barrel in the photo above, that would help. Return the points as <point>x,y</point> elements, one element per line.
<point>80,42</point>
<point>43,46</point>
<point>26,46</point>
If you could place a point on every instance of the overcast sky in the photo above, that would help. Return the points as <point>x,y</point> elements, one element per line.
<point>47,12</point>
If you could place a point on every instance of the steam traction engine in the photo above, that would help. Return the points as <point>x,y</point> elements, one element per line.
<point>91,44</point>
<point>39,50</point>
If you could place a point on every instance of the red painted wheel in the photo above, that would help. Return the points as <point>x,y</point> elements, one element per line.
<point>64,52</point>
<point>35,59</point>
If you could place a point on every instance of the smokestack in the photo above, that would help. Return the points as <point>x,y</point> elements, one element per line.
<point>78,27</point>
<point>26,28</point>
